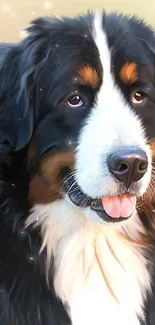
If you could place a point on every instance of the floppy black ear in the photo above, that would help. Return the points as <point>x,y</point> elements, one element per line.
<point>25,115</point>
<point>16,111</point>
<point>21,67</point>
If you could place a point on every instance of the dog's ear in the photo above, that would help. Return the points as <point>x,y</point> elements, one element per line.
<point>16,111</point>
<point>19,65</point>
<point>26,107</point>
<point>26,117</point>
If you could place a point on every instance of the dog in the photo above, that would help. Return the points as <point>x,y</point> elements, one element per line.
<point>77,117</point>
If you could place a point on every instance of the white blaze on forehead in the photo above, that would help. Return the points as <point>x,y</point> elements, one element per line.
<point>102,45</point>
<point>112,125</point>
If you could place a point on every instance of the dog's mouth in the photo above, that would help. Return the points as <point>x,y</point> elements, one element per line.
<point>109,208</point>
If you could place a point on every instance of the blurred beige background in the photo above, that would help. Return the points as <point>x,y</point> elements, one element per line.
<point>16,14</point>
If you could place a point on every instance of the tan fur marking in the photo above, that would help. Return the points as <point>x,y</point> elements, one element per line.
<point>129,73</point>
<point>149,196</point>
<point>42,193</point>
<point>148,208</point>
<point>46,187</point>
<point>142,242</point>
<point>152,146</point>
<point>89,76</point>
<point>51,166</point>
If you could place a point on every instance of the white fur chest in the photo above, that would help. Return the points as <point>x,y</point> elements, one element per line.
<point>99,274</point>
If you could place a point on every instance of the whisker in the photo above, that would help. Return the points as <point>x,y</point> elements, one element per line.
<point>65,180</point>
<point>73,184</point>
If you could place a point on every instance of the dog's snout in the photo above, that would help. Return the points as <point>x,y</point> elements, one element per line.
<point>128,166</point>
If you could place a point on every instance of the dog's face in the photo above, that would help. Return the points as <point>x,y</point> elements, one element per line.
<point>96,114</point>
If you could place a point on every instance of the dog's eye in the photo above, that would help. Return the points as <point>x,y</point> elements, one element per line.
<point>75,101</point>
<point>138,97</point>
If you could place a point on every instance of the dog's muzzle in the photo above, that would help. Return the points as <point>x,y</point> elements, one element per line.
<point>127,167</point>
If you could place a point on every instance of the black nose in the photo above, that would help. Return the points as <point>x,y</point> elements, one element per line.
<point>128,166</point>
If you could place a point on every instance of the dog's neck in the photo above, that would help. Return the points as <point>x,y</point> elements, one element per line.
<point>100,271</point>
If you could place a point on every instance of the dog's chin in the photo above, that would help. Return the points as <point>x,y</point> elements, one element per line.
<point>79,199</point>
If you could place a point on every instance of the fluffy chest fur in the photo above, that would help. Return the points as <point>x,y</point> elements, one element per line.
<point>100,272</point>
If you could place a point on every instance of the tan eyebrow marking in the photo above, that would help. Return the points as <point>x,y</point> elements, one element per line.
<point>129,73</point>
<point>89,76</point>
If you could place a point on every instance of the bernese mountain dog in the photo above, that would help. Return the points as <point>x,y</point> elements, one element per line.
<point>77,149</point>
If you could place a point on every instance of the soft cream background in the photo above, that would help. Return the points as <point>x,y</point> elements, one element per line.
<point>16,14</point>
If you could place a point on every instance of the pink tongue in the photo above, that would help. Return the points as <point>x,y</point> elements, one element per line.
<point>119,206</point>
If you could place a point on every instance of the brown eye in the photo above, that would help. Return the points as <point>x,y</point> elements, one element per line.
<point>138,97</point>
<point>75,101</point>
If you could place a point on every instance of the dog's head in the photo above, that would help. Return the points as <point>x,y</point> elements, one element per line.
<point>94,80</point>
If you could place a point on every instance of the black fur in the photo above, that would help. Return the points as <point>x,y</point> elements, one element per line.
<point>35,79</point>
